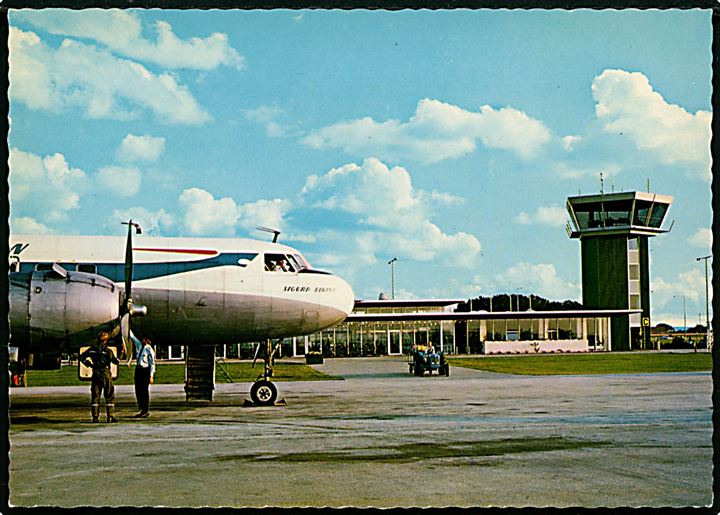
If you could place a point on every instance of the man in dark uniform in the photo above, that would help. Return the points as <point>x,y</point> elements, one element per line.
<point>99,357</point>
<point>144,374</point>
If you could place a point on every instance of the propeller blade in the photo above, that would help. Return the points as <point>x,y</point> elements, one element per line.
<point>125,329</point>
<point>127,309</point>
<point>128,262</point>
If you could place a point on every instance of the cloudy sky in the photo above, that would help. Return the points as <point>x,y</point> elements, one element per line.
<point>446,139</point>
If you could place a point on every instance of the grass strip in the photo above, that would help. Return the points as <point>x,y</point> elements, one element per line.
<point>596,363</point>
<point>174,373</point>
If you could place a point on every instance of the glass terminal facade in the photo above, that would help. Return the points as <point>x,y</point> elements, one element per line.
<point>379,328</point>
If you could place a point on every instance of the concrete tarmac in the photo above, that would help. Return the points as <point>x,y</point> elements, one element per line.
<point>379,438</point>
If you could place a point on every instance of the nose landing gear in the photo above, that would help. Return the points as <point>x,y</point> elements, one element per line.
<point>263,392</point>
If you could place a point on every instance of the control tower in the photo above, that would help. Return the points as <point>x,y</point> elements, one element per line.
<point>613,230</point>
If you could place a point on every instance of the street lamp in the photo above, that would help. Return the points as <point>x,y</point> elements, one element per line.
<point>707,308</point>
<point>392,271</point>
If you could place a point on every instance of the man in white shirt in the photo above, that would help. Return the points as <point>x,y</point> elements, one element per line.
<point>144,374</point>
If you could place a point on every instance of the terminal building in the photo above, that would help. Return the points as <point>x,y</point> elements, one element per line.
<point>392,327</point>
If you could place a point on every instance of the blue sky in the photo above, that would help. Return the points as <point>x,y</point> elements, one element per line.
<point>447,139</point>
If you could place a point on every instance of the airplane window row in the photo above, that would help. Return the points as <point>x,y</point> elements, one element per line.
<point>80,267</point>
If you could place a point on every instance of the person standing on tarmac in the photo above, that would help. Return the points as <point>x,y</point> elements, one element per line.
<point>100,358</point>
<point>144,374</point>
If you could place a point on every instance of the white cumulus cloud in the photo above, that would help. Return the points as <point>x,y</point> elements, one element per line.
<point>80,76</point>
<point>437,131</point>
<point>141,148</point>
<point>152,222</point>
<point>702,238</point>
<point>268,116</point>
<point>389,214</point>
<point>28,225</point>
<point>544,215</point>
<point>44,188</point>
<point>539,279</point>
<point>122,32</point>
<point>627,104</point>
<point>690,284</point>
<point>570,141</point>
<point>121,181</point>
<point>207,216</point>
<point>265,213</point>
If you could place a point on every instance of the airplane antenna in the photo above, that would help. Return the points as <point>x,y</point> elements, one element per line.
<point>275,232</point>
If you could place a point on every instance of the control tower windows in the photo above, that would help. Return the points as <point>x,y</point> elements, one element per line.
<point>649,214</point>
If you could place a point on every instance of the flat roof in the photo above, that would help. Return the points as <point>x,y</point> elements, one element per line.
<point>488,315</point>
<point>626,195</point>
<point>406,303</point>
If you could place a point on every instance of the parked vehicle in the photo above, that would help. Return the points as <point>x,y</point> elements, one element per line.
<point>423,358</point>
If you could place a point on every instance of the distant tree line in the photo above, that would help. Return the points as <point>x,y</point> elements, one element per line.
<point>699,328</point>
<point>501,302</point>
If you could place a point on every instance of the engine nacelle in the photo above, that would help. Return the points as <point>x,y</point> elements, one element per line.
<point>52,307</point>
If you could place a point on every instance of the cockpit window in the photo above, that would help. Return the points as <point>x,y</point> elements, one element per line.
<point>279,263</point>
<point>301,261</point>
<point>294,262</point>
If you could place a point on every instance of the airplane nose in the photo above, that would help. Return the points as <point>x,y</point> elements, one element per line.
<point>346,296</point>
<point>339,306</point>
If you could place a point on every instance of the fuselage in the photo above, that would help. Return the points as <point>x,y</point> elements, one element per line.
<point>201,290</point>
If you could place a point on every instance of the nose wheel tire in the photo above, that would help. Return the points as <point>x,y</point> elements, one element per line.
<point>263,393</point>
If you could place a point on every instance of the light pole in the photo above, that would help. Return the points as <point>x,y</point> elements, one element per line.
<point>707,308</point>
<point>684,311</point>
<point>517,297</point>
<point>392,271</point>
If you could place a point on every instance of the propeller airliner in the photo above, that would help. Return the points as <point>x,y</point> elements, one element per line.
<point>182,291</point>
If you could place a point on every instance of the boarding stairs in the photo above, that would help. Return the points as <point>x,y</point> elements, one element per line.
<point>199,372</point>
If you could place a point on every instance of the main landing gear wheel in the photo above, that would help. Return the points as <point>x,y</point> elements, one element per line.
<point>263,393</point>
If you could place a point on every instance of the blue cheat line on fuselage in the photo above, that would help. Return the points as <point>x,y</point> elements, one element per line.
<point>116,271</point>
